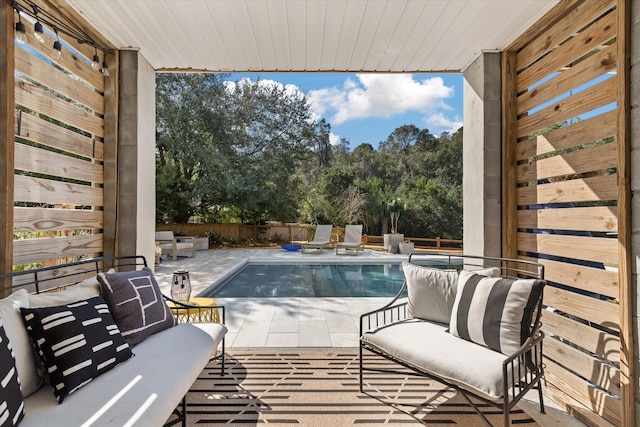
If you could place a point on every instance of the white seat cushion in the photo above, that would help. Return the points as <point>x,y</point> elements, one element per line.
<point>428,346</point>
<point>142,391</point>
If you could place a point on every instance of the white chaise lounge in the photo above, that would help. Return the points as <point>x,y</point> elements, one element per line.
<point>353,242</point>
<point>321,240</point>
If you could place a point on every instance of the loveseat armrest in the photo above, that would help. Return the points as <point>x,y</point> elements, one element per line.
<point>192,313</point>
<point>384,316</point>
<point>523,369</point>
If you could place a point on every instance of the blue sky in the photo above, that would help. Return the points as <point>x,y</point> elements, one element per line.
<point>368,107</point>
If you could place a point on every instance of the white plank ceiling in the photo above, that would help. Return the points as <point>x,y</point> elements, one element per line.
<point>312,35</point>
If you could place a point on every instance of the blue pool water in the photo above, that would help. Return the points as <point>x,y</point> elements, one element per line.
<point>306,280</point>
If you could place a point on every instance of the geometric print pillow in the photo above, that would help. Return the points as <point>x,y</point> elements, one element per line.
<point>494,312</point>
<point>76,342</point>
<point>136,304</point>
<point>11,404</point>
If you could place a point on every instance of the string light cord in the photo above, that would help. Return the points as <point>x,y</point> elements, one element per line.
<point>29,8</point>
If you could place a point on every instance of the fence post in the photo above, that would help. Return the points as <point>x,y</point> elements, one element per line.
<point>437,243</point>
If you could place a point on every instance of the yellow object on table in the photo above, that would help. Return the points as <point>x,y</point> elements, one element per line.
<point>198,310</point>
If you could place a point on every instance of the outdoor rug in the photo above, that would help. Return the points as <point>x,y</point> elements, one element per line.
<point>320,388</point>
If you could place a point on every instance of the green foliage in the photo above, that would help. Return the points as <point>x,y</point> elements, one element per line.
<point>249,152</point>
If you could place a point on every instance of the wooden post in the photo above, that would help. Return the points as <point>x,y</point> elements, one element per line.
<point>509,171</point>
<point>627,297</point>
<point>7,142</point>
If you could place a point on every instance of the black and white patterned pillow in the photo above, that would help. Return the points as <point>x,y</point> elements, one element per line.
<point>11,403</point>
<point>136,303</point>
<point>494,312</point>
<point>76,342</point>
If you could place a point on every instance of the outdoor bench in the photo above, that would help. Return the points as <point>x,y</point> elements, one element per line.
<point>475,328</point>
<point>147,389</point>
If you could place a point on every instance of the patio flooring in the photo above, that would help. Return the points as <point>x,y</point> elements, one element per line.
<point>282,323</point>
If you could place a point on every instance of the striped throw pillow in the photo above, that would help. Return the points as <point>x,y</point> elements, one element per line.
<point>494,312</point>
<point>76,342</point>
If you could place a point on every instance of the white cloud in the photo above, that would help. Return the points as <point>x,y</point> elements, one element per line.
<point>290,89</point>
<point>380,95</point>
<point>438,123</point>
<point>333,138</point>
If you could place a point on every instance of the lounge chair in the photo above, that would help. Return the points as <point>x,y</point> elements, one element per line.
<point>174,245</point>
<point>353,242</point>
<point>321,240</point>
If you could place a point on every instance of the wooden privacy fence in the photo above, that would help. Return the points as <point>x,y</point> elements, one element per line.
<point>292,233</point>
<point>237,232</point>
<point>564,204</point>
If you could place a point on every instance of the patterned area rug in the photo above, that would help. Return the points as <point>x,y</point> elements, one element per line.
<point>320,388</point>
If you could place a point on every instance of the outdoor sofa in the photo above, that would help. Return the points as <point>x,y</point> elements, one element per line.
<point>150,361</point>
<point>474,326</point>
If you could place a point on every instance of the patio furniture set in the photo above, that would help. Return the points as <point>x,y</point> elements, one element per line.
<point>474,327</point>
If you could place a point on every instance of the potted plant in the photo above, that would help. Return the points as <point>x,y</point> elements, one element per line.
<point>392,241</point>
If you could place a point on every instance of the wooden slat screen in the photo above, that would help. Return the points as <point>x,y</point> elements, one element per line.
<point>59,173</point>
<point>565,194</point>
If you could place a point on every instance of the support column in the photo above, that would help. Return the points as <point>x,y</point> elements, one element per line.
<point>482,183</point>
<point>7,143</point>
<point>136,156</point>
<point>634,140</point>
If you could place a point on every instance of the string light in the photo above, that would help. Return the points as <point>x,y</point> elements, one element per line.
<point>21,31</point>
<point>41,18</point>
<point>38,29</point>
<point>95,64</point>
<point>56,53</point>
<point>105,69</point>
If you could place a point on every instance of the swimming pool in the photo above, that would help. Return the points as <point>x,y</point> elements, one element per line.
<point>270,280</point>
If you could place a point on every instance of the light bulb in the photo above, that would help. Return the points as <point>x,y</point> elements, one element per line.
<point>105,69</point>
<point>38,31</point>
<point>56,53</point>
<point>96,63</point>
<point>21,32</point>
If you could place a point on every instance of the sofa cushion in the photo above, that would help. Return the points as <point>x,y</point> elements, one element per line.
<point>11,403</point>
<point>429,347</point>
<point>431,292</point>
<point>136,303</point>
<point>86,289</point>
<point>30,381</point>
<point>142,392</point>
<point>494,312</point>
<point>76,342</point>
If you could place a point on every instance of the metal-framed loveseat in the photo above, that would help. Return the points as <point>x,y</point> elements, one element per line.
<point>147,388</point>
<point>472,323</point>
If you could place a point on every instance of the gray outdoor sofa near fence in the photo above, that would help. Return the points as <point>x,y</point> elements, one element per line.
<point>474,325</point>
<point>114,351</point>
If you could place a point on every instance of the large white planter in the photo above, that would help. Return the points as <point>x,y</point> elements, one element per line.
<point>392,239</point>
<point>406,248</point>
<point>201,243</point>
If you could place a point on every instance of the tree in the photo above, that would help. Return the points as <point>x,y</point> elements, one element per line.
<point>232,148</point>
<point>187,117</point>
